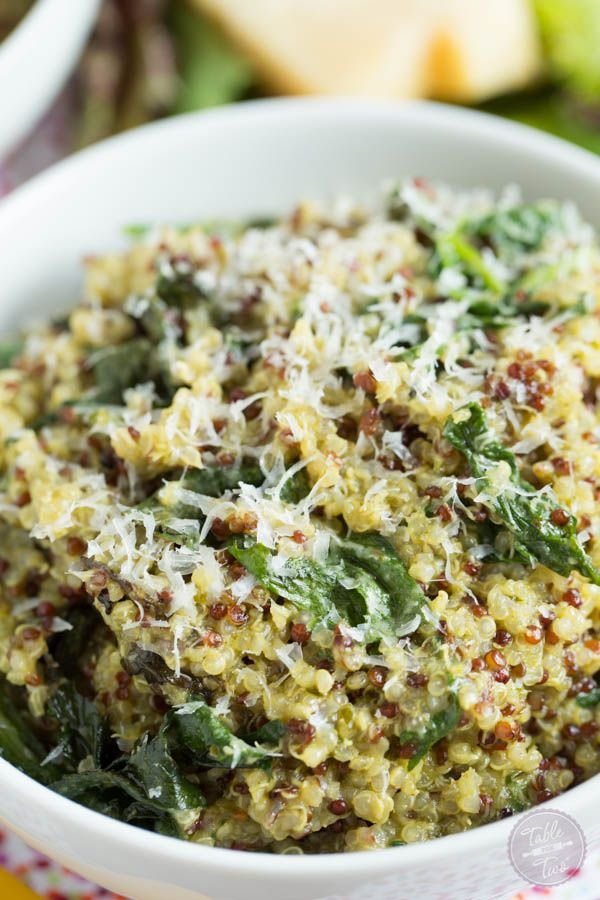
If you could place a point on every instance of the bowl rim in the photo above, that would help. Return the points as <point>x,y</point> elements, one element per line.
<point>21,43</point>
<point>515,138</point>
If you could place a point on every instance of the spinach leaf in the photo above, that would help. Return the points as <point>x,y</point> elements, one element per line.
<point>9,351</point>
<point>213,481</point>
<point>590,699</point>
<point>19,742</point>
<point>100,786</point>
<point>153,768</point>
<point>519,228</point>
<point>202,733</point>
<point>454,250</point>
<point>441,724</point>
<point>179,288</point>
<point>296,487</point>
<point>115,369</point>
<point>376,554</point>
<point>364,581</point>
<point>83,732</point>
<point>269,733</point>
<point>517,786</point>
<point>67,647</point>
<point>529,516</point>
<point>309,586</point>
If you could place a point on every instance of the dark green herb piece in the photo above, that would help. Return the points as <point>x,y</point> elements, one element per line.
<point>517,787</point>
<point>363,581</point>
<point>308,585</point>
<point>269,733</point>
<point>518,229</point>
<point>527,514</point>
<point>83,733</point>
<point>9,351</point>
<point>441,724</point>
<point>202,732</point>
<point>115,369</point>
<point>20,745</point>
<point>592,698</point>
<point>179,288</point>
<point>67,647</point>
<point>377,555</point>
<point>152,667</point>
<point>296,488</point>
<point>454,250</point>
<point>214,481</point>
<point>153,768</point>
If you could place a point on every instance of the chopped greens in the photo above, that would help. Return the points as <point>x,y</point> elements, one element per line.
<point>82,731</point>
<point>20,745</point>
<point>531,516</point>
<point>440,725</point>
<point>203,733</point>
<point>454,250</point>
<point>590,699</point>
<point>214,481</point>
<point>115,369</point>
<point>308,585</point>
<point>405,599</point>
<point>517,787</point>
<point>9,351</point>
<point>517,229</point>
<point>364,581</point>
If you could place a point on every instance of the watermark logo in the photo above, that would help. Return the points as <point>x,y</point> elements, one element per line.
<point>546,847</point>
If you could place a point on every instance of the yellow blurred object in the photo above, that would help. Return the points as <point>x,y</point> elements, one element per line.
<point>12,889</point>
<point>464,50</point>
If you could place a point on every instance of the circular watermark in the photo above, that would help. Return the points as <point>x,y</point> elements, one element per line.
<point>546,847</point>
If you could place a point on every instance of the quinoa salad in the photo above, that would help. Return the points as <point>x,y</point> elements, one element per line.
<point>298,524</point>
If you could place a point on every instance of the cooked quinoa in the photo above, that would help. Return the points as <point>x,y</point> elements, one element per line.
<point>298,525</point>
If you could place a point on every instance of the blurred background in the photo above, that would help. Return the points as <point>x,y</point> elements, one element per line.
<point>537,61</point>
<point>533,60</point>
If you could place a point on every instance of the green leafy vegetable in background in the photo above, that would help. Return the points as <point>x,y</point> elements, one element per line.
<point>440,725</point>
<point>534,519</point>
<point>571,34</point>
<point>211,70</point>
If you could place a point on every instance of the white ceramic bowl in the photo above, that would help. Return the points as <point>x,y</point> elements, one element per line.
<point>35,60</point>
<point>261,158</point>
